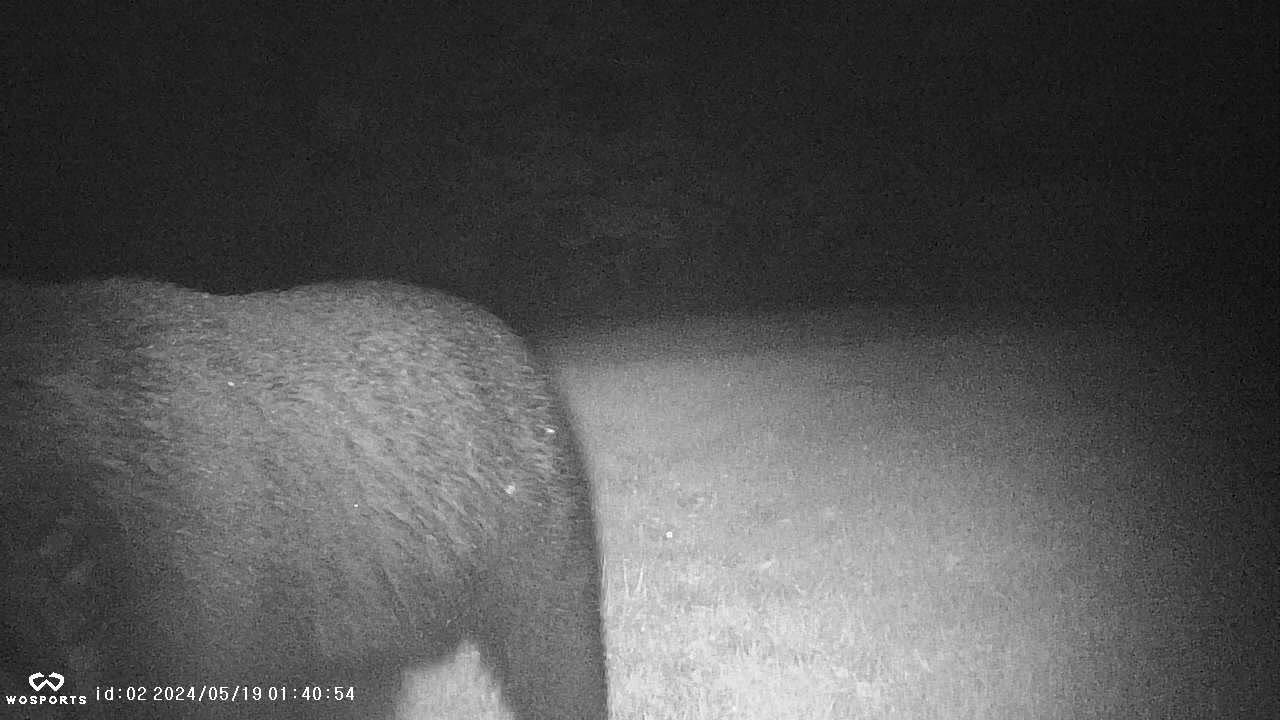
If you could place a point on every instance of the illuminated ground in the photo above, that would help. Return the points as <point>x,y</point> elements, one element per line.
<point>926,514</point>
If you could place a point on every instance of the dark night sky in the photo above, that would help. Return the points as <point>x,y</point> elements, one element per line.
<point>617,158</point>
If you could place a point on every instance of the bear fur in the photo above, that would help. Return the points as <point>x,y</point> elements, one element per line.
<point>309,488</point>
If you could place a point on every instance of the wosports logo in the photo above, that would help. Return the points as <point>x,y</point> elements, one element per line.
<point>46,686</point>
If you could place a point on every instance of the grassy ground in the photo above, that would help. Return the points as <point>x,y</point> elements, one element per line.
<point>925,514</point>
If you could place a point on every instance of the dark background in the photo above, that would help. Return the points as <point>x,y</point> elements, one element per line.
<point>622,160</point>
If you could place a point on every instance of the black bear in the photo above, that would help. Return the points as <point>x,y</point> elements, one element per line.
<point>267,505</point>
